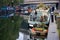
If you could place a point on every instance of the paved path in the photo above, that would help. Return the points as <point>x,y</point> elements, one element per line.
<point>52,33</point>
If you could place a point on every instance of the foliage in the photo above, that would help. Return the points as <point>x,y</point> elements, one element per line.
<point>58,23</point>
<point>58,26</point>
<point>21,1</point>
<point>6,2</point>
<point>9,28</point>
<point>59,33</point>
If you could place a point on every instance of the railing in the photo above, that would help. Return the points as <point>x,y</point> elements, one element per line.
<point>42,1</point>
<point>6,13</point>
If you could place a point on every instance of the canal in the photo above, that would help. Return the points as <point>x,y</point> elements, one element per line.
<point>23,36</point>
<point>24,33</point>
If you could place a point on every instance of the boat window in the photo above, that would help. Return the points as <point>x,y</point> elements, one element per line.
<point>36,16</point>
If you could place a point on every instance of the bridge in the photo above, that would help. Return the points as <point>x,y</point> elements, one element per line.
<point>40,1</point>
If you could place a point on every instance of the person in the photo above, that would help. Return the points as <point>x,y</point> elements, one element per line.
<point>56,15</point>
<point>31,17</point>
<point>18,10</point>
<point>41,19</point>
<point>52,19</point>
<point>35,16</point>
<point>52,9</point>
<point>8,8</point>
<point>45,17</point>
<point>29,10</point>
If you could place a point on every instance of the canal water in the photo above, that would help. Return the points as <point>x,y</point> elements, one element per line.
<point>23,36</point>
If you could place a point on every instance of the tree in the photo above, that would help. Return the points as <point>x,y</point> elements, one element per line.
<point>1,2</point>
<point>9,27</point>
<point>21,1</point>
<point>6,2</point>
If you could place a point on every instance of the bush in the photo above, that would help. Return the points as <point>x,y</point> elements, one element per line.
<point>9,27</point>
<point>59,33</point>
<point>58,25</point>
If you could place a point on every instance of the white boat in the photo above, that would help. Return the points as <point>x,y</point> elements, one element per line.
<point>40,12</point>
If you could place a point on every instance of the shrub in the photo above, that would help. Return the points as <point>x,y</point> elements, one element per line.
<point>9,27</point>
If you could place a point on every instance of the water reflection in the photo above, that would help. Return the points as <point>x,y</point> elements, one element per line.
<point>23,36</point>
<point>20,36</point>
